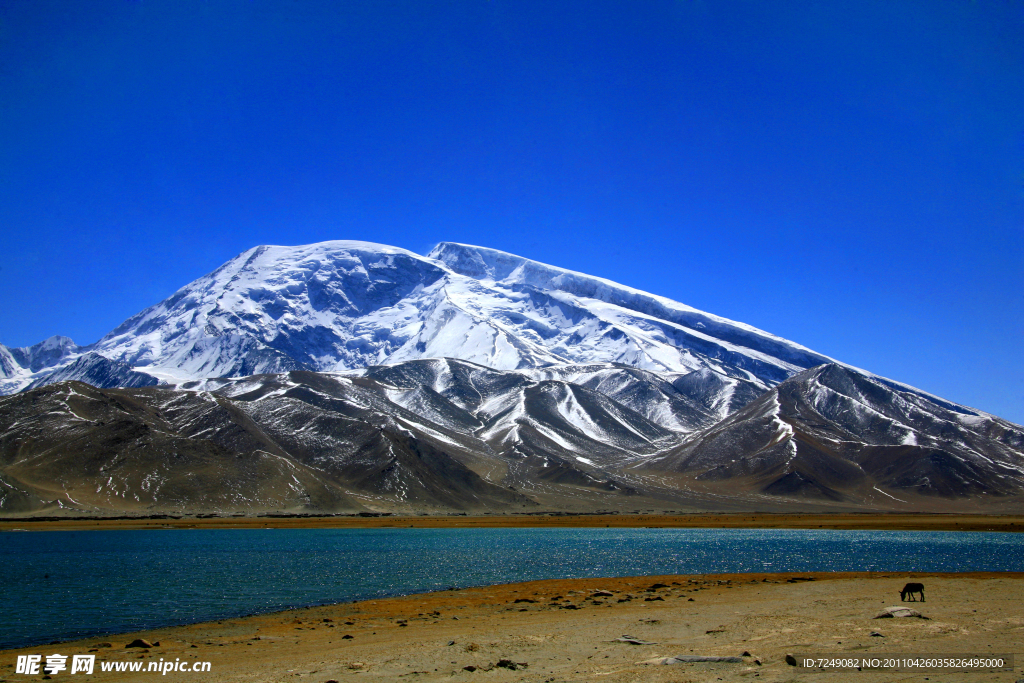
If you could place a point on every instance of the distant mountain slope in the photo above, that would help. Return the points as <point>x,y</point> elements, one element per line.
<point>837,434</point>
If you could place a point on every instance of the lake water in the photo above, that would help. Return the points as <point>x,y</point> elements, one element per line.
<point>64,585</point>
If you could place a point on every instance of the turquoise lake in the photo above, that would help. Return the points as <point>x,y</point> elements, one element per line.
<point>64,585</point>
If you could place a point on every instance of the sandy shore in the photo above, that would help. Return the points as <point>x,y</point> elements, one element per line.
<point>443,636</point>
<point>894,521</point>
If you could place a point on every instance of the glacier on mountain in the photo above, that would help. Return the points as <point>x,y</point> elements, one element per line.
<point>345,305</point>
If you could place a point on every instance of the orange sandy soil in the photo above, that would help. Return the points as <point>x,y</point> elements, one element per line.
<point>435,636</point>
<point>893,521</point>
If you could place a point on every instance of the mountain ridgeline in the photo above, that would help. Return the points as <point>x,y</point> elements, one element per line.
<point>356,377</point>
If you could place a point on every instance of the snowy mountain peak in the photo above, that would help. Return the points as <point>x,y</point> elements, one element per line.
<point>19,366</point>
<point>274,308</point>
<point>343,305</point>
<point>46,353</point>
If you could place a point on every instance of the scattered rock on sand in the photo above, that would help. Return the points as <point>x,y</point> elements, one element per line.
<point>139,642</point>
<point>790,659</point>
<point>633,641</point>
<point>684,659</point>
<point>876,634</point>
<point>898,611</point>
<point>509,664</point>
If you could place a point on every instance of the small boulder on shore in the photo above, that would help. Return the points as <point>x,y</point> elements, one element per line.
<point>686,659</point>
<point>898,611</point>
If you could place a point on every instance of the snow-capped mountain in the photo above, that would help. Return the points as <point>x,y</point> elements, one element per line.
<point>356,376</point>
<point>347,305</point>
<point>19,367</point>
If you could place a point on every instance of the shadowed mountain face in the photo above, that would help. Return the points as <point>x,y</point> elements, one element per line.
<point>835,434</point>
<point>97,371</point>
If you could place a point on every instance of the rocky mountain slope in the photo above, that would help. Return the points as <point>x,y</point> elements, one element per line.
<point>831,433</point>
<point>443,434</point>
<point>72,446</point>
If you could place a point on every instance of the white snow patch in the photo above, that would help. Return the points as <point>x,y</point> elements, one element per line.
<point>886,494</point>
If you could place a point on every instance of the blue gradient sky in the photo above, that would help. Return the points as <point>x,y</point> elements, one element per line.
<point>848,175</point>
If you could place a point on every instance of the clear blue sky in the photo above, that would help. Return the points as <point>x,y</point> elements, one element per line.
<point>848,175</point>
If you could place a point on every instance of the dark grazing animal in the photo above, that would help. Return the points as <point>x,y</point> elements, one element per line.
<point>910,589</point>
